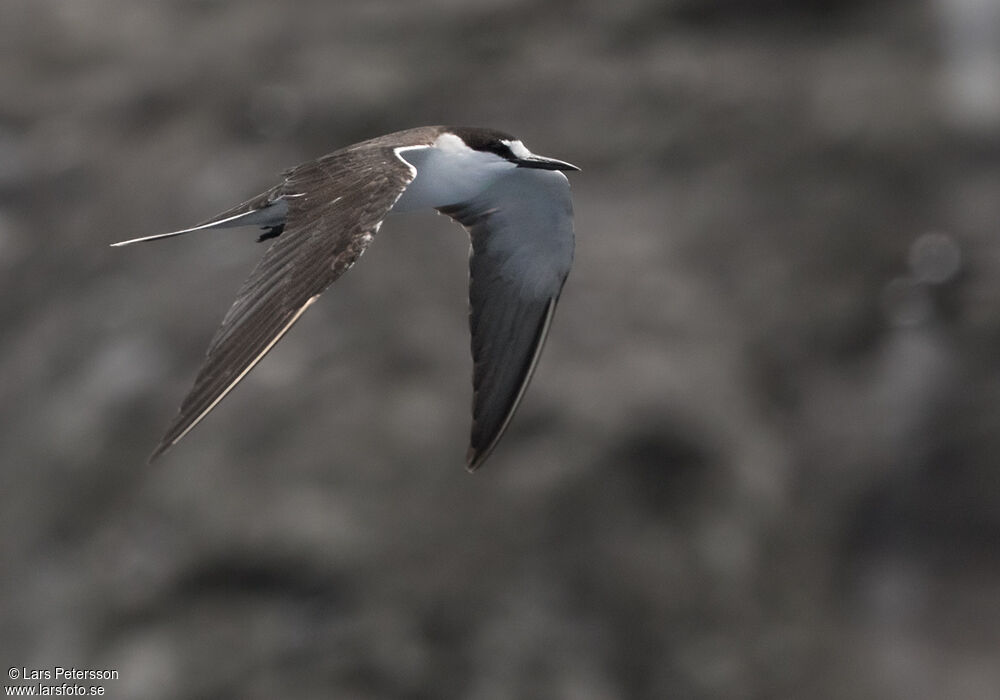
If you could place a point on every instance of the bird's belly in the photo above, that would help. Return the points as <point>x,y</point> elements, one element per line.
<point>445,178</point>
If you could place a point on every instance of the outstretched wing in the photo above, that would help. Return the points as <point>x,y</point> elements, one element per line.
<point>522,248</point>
<point>335,205</point>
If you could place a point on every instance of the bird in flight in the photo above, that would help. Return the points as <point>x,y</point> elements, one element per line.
<point>322,216</point>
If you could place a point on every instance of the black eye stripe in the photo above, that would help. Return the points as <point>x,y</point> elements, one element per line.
<point>489,140</point>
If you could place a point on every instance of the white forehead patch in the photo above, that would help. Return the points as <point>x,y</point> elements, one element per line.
<point>450,142</point>
<point>518,149</point>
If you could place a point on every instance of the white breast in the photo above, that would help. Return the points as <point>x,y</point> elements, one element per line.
<point>448,172</point>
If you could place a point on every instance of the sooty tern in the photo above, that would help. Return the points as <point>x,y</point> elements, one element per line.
<point>515,205</point>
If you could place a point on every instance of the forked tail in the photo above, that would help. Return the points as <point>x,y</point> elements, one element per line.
<point>270,217</point>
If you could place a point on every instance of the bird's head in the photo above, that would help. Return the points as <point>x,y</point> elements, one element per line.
<point>507,147</point>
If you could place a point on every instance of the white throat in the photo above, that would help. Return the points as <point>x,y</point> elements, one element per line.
<point>447,172</point>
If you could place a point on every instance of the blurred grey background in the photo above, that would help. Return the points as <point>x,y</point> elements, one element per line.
<point>758,460</point>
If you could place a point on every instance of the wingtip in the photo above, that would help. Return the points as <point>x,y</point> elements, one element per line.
<point>158,452</point>
<point>475,457</point>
